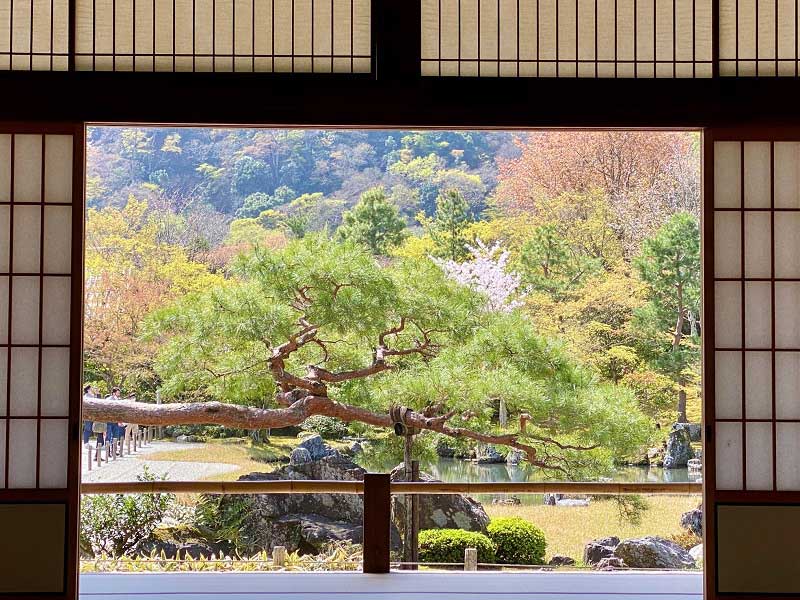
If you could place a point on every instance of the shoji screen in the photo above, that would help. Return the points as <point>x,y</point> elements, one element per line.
<point>41,233</point>
<point>310,36</point>
<point>567,38</point>
<point>34,35</point>
<point>752,361</point>
<point>758,38</point>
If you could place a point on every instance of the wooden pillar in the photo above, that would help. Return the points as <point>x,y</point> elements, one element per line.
<point>377,522</point>
<point>279,556</point>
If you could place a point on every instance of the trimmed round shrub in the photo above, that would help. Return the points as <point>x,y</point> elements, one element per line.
<point>518,541</point>
<point>329,428</point>
<point>448,545</point>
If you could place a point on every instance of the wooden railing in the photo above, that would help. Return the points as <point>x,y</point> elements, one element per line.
<point>377,490</point>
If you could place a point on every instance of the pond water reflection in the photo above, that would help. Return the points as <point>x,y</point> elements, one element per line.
<point>456,470</point>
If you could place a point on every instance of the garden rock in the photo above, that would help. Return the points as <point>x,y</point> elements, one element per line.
<point>697,553</point>
<point>317,447</point>
<point>653,553</point>
<point>559,560</point>
<point>489,455</point>
<point>355,448</point>
<point>514,457</point>
<point>693,521</point>
<point>300,456</point>
<point>306,522</point>
<point>597,550</point>
<point>176,543</point>
<point>679,447</point>
<point>694,464</point>
<point>610,563</point>
<point>693,429</point>
<point>441,511</point>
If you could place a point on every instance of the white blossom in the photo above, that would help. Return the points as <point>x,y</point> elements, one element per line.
<point>487,273</point>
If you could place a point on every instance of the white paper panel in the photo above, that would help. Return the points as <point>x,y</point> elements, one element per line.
<point>27,235</point>
<point>567,38</point>
<point>728,385</point>
<point>5,167</point>
<point>37,30</point>
<point>728,314</point>
<point>757,174</point>
<point>27,168</point>
<point>759,456</point>
<point>57,239</point>
<point>787,245</point>
<point>22,454</point>
<point>55,382</point>
<point>758,314</point>
<point>224,35</point>
<point>24,382</point>
<point>787,175</point>
<point>55,312</point>
<point>727,244</point>
<point>729,456</point>
<point>758,385</point>
<point>25,310</point>
<point>3,382</point>
<point>787,385</point>
<point>757,244</point>
<point>788,456</point>
<point>53,453</point>
<point>727,174</point>
<point>757,38</point>
<point>787,314</point>
<point>3,310</point>
<point>58,169</point>
<point>5,246</point>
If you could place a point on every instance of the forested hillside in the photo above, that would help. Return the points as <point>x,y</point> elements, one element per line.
<point>582,246</point>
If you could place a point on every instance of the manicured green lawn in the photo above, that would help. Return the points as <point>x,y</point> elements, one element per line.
<point>568,528</point>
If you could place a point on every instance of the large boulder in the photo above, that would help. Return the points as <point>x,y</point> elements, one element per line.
<point>441,511</point>
<point>597,550</point>
<point>653,553</point>
<point>679,447</point>
<point>692,521</point>
<point>299,456</point>
<point>489,455</point>
<point>316,447</point>
<point>514,457</point>
<point>694,430</point>
<point>297,521</point>
<point>696,553</point>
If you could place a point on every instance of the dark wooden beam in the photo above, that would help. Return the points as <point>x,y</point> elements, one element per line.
<point>366,101</point>
<point>377,522</point>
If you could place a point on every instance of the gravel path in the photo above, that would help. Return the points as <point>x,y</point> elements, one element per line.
<point>128,467</point>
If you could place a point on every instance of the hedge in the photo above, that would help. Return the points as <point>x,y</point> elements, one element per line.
<point>448,545</point>
<point>518,542</point>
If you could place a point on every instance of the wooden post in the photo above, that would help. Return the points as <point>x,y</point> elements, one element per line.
<point>134,439</point>
<point>112,447</point>
<point>160,430</point>
<point>98,455</point>
<point>414,518</point>
<point>129,445</point>
<point>408,524</point>
<point>279,556</point>
<point>89,457</point>
<point>470,559</point>
<point>377,521</point>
